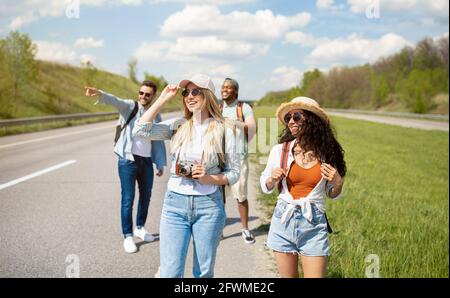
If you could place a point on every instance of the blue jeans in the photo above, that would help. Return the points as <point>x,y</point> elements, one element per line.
<point>183,216</point>
<point>140,170</point>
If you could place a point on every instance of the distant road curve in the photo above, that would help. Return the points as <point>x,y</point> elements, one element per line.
<point>405,122</point>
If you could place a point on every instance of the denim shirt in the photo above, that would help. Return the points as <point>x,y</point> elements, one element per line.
<point>124,143</point>
<point>165,131</point>
<point>316,196</point>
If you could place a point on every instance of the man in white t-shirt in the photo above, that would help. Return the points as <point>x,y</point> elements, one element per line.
<point>242,113</point>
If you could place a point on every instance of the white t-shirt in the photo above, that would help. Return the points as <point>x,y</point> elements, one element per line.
<point>192,151</point>
<point>141,147</point>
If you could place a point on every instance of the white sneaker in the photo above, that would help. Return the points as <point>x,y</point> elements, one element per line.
<point>144,235</point>
<point>248,236</point>
<point>129,246</point>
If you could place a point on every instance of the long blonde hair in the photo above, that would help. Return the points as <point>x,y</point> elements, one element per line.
<point>214,134</point>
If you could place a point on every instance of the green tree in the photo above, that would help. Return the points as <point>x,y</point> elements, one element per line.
<point>6,85</point>
<point>132,69</point>
<point>380,89</point>
<point>308,78</point>
<point>19,52</point>
<point>426,55</point>
<point>417,90</point>
<point>160,82</point>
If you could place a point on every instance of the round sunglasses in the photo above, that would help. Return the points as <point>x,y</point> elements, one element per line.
<point>194,92</point>
<point>145,94</point>
<point>297,116</point>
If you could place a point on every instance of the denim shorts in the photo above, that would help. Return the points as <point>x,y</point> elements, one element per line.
<point>297,234</point>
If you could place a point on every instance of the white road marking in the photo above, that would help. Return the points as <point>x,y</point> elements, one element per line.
<point>33,175</point>
<point>54,137</point>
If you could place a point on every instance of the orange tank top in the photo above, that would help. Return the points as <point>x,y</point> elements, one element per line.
<point>301,181</point>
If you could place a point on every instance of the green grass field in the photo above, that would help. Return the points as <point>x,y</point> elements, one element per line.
<point>395,202</point>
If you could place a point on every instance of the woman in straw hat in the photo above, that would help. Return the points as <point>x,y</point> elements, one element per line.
<point>307,164</point>
<point>203,160</point>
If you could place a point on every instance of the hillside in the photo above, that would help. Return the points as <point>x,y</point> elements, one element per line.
<point>59,89</point>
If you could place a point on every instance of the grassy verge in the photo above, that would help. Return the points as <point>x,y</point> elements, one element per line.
<point>395,201</point>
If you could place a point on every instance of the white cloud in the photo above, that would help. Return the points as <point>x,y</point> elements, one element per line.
<point>58,52</point>
<point>434,9</point>
<point>325,4</point>
<point>263,25</point>
<point>62,53</point>
<point>355,49</point>
<point>88,42</point>
<point>224,70</point>
<point>303,39</point>
<point>285,77</point>
<point>198,48</point>
<point>212,2</point>
<point>151,51</point>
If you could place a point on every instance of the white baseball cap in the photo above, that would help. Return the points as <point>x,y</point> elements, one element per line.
<point>200,80</point>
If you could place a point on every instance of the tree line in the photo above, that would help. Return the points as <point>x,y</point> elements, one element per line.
<point>416,79</point>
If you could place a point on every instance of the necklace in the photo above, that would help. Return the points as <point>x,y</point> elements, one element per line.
<point>304,158</point>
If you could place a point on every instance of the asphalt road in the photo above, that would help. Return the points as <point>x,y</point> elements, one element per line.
<point>405,122</point>
<point>68,217</point>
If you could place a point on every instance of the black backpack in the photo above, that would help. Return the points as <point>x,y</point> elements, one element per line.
<point>119,128</point>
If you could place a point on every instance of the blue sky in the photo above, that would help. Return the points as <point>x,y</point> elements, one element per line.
<point>265,45</point>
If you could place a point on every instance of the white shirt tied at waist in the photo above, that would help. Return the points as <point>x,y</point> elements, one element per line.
<point>314,197</point>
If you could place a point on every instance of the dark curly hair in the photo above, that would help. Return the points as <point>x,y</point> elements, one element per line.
<point>318,136</point>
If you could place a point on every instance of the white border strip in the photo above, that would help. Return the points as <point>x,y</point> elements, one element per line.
<point>25,178</point>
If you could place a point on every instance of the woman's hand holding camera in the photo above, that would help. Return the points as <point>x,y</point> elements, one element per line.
<point>199,173</point>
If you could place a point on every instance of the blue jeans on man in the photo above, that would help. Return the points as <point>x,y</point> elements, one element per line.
<point>141,171</point>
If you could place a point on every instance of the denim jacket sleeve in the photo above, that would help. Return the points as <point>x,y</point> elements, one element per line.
<point>124,106</point>
<point>159,150</point>
<point>157,131</point>
<point>232,158</point>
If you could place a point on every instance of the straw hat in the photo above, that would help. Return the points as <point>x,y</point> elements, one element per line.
<point>302,103</point>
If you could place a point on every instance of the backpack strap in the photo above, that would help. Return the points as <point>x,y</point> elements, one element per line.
<point>240,111</point>
<point>132,115</point>
<point>283,161</point>
<point>222,163</point>
<point>240,116</point>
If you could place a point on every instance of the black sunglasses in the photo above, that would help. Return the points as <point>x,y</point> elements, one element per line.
<point>145,94</point>
<point>194,92</point>
<point>297,117</point>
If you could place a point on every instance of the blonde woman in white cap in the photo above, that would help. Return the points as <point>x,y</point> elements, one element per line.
<point>204,158</point>
<point>307,164</point>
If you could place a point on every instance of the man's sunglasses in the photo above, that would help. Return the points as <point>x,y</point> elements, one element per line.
<point>297,116</point>
<point>145,94</point>
<point>194,92</point>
